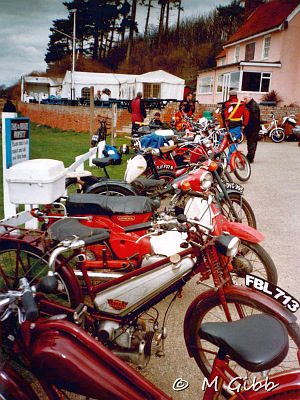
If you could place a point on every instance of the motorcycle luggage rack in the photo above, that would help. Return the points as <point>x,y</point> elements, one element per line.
<point>33,236</point>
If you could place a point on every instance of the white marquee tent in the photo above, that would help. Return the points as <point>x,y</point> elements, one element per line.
<point>155,84</point>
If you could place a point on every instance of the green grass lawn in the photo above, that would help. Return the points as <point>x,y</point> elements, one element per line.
<point>65,146</point>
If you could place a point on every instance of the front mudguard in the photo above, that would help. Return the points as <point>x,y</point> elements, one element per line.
<point>13,386</point>
<point>116,182</point>
<point>275,308</point>
<point>233,156</point>
<point>242,231</point>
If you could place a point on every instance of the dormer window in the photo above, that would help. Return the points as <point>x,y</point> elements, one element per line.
<point>266,46</point>
<point>237,54</point>
<point>250,51</point>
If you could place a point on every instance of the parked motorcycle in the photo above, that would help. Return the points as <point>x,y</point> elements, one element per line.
<point>273,130</point>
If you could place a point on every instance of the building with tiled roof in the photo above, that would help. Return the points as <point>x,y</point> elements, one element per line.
<point>263,55</point>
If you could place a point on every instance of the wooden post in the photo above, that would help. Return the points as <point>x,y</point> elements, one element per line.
<point>113,122</point>
<point>91,112</point>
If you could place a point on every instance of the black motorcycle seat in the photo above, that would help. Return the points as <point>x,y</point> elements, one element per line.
<point>257,343</point>
<point>150,183</point>
<point>263,121</point>
<point>85,204</point>
<point>68,228</point>
<point>102,162</point>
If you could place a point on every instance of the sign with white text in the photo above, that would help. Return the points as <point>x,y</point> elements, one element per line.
<point>17,140</point>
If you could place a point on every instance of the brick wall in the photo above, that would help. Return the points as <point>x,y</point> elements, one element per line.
<point>78,118</point>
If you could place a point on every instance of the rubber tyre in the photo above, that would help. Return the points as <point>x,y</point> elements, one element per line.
<point>243,173</point>
<point>30,264</point>
<point>168,175</point>
<point>277,135</point>
<point>113,190</point>
<point>245,211</point>
<point>259,259</point>
<point>203,313</point>
<point>242,138</point>
<point>73,187</point>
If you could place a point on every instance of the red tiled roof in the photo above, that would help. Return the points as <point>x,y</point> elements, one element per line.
<point>266,16</point>
<point>222,54</point>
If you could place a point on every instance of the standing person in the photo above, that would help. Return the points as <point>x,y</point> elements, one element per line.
<point>235,115</point>
<point>9,106</point>
<point>187,105</point>
<point>253,127</point>
<point>137,110</point>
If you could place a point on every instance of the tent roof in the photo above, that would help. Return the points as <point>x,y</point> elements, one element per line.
<point>99,78</point>
<point>43,80</point>
<point>159,76</point>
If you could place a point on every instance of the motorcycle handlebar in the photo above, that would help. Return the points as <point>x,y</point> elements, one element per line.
<point>30,307</point>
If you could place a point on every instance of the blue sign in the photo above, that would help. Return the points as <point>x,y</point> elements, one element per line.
<point>17,132</point>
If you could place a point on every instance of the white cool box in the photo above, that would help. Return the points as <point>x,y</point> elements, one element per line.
<point>39,181</point>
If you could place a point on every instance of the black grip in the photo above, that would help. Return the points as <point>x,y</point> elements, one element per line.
<point>138,227</point>
<point>167,190</point>
<point>195,194</point>
<point>31,310</point>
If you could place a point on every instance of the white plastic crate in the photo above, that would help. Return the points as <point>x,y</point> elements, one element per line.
<point>39,181</point>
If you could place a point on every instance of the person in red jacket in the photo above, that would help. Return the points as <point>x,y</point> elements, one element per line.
<point>235,114</point>
<point>187,106</point>
<point>137,110</point>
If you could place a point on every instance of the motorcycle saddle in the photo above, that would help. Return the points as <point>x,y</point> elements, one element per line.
<point>68,228</point>
<point>102,162</point>
<point>257,343</point>
<point>107,205</point>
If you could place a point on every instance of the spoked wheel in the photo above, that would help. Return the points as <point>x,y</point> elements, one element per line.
<point>210,310</point>
<point>18,260</point>
<point>242,209</point>
<point>73,186</point>
<point>253,259</point>
<point>242,168</point>
<point>113,190</point>
<point>277,135</point>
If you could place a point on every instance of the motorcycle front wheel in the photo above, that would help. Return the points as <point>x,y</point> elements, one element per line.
<point>242,209</point>
<point>242,170</point>
<point>211,310</point>
<point>277,135</point>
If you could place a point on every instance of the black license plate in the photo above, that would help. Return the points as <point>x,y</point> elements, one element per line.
<point>271,290</point>
<point>234,186</point>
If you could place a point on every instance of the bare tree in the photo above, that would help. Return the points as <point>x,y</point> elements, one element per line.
<point>132,29</point>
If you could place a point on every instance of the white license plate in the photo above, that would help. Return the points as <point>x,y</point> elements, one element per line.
<point>234,186</point>
<point>271,290</point>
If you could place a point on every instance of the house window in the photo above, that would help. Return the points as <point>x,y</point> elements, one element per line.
<point>223,61</point>
<point>205,85</point>
<point>85,93</point>
<point>256,81</point>
<point>266,46</point>
<point>220,83</point>
<point>250,51</point>
<point>237,54</point>
<point>234,80</point>
<point>151,90</point>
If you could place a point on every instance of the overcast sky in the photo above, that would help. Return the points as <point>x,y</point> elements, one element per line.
<point>25,24</point>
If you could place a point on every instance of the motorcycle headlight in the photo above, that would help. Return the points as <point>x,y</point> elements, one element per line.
<point>227,245</point>
<point>206,180</point>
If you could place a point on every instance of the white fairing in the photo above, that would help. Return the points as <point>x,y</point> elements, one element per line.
<point>195,207</point>
<point>136,291</point>
<point>135,167</point>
